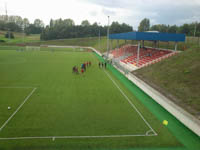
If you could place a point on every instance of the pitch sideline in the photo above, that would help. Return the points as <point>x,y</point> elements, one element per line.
<point>132,105</point>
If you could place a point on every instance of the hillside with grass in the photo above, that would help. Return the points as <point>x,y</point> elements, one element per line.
<point>19,38</point>
<point>34,40</point>
<point>177,78</point>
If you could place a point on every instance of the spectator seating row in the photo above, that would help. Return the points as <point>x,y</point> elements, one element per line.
<point>147,55</point>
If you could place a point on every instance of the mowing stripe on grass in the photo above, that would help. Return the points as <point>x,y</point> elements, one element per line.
<point>17,109</point>
<point>133,106</point>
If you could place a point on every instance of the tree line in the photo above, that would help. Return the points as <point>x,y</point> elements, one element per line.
<point>66,28</point>
<point>19,24</point>
<point>61,29</point>
<point>192,29</point>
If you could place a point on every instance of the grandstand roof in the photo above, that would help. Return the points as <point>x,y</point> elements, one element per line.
<point>149,36</point>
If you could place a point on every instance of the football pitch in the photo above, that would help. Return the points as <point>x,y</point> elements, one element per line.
<point>53,108</point>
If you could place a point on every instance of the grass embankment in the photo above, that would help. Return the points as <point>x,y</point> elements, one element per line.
<point>179,76</point>
<point>91,42</point>
<point>20,38</point>
<point>34,40</point>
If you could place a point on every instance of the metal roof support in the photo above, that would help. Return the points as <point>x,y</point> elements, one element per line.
<point>138,54</point>
<point>142,43</point>
<point>124,49</point>
<point>111,44</point>
<point>155,44</point>
<point>118,44</point>
<point>176,46</point>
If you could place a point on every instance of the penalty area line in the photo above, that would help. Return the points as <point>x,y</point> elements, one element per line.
<point>76,137</point>
<point>132,105</point>
<point>6,122</point>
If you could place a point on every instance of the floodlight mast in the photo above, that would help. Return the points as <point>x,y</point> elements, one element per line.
<point>23,28</point>
<point>99,35</point>
<point>108,37</point>
<point>6,11</point>
<point>195,28</point>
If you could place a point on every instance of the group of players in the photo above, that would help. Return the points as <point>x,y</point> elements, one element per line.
<point>83,67</point>
<point>102,65</point>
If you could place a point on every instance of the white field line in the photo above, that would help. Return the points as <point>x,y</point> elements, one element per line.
<point>133,106</point>
<point>66,137</point>
<point>17,109</point>
<point>15,87</point>
<point>75,137</point>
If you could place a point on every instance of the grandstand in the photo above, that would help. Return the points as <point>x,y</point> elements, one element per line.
<point>137,56</point>
<point>147,55</point>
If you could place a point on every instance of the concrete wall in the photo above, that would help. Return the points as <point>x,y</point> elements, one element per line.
<point>187,119</point>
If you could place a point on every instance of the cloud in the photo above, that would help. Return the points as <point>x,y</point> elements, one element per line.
<point>93,13</point>
<point>129,11</point>
<point>108,12</point>
<point>158,11</point>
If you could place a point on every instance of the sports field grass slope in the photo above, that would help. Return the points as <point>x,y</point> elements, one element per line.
<point>62,110</point>
<point>20,38</point>
<point>179,76</point>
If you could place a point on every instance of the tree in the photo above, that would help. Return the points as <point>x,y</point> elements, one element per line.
<point>9,35</point>
<point>173,29</point>
<point>68,22</point>
<point>185,29</point>
<point>144,25</point>
<point>160,28</point>
<point>2,25</point>
<point>60,29</point>
<point>38,23</point>
<point>32,29</point>
<point>119,28</point>
<point>12,27</point>
<point>26,23</point>
<point>51,23</point>
<point>85,23</point>
<point>19,21</point>
<point>115,27</point>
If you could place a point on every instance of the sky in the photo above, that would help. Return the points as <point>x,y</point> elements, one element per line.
<point>128,11</point>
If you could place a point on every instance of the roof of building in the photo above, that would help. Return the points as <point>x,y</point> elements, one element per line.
<point>149,36</point>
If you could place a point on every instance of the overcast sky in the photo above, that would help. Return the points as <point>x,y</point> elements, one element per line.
<point>128,11</point>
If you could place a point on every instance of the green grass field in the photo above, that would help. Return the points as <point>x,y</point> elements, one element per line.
<point>56,109</point>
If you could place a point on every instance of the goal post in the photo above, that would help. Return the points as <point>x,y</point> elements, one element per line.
<point>32,48</point>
